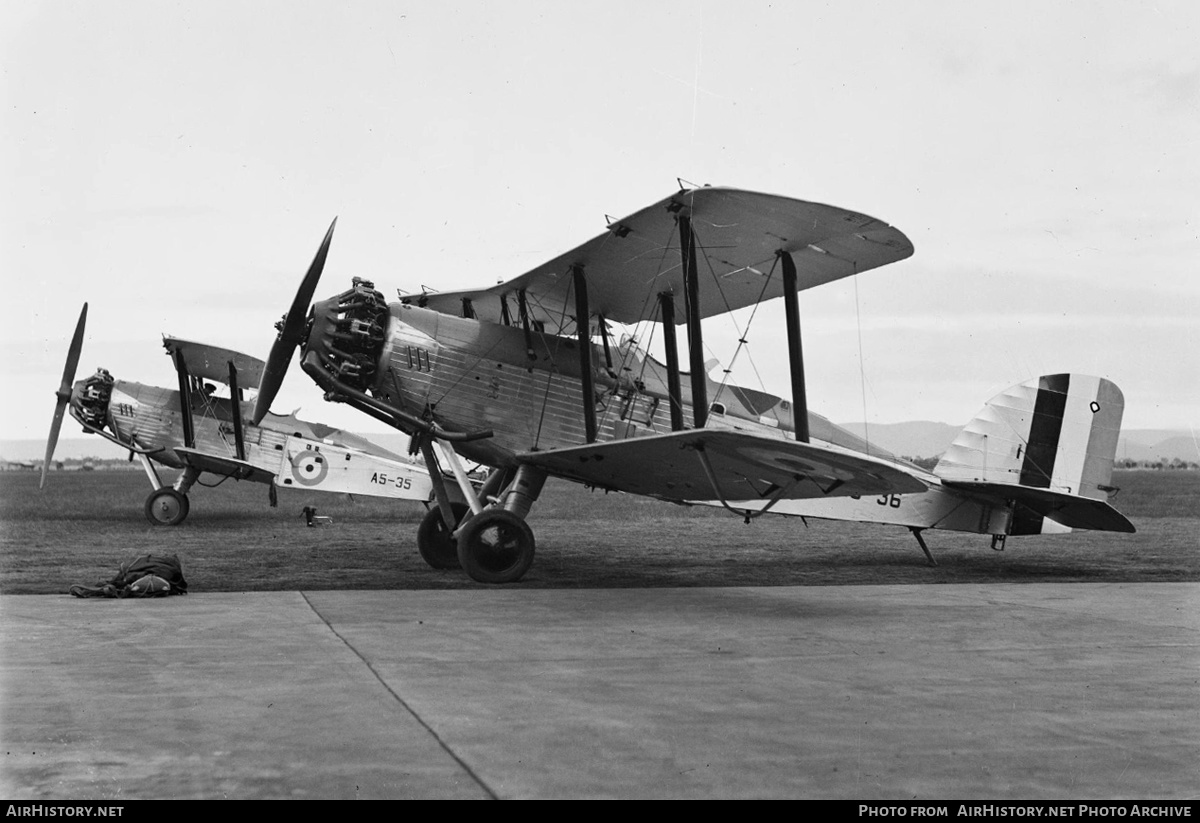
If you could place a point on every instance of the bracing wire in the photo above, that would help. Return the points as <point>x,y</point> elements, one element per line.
<point>744,336</point>
<point>862,371</point>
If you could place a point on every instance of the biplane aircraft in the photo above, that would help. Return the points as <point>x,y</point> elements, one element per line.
<point>196,430</point>
<point>525,377</point>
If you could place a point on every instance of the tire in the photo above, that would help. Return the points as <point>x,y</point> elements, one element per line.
<point>166,507</point>
<point>435,542</point>
<point>496,547</point>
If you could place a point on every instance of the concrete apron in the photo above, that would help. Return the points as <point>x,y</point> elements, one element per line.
<point>1038,691</point>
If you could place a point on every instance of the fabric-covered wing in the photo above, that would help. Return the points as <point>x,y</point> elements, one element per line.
<point>744,466</point>
<point>737,235</point>
<point>212,362</point>
<point>224,466</point>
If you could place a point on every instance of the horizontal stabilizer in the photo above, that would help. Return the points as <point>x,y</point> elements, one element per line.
<point>1067,510</point>
<point>705,464</point>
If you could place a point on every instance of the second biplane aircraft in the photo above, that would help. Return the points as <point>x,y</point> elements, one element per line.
<point>196,430</point>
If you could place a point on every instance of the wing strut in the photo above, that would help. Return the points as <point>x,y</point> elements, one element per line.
<point>185,400</point>
<point>583,328</point>
<point>791,306</point>
<point>523,313</point>
<point>674,393</point>
<point>235,397</point>
<point>604,337</point>
<point>687,248</point>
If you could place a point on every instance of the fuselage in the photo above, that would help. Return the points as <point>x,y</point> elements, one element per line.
<point>151,418</point>
<point>528,388</point>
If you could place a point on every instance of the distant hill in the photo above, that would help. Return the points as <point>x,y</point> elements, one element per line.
<point>919,438</point>
<point>1179,446</point>
<point>69,448</point>
<point>925,439</point>
<point>914,439</point>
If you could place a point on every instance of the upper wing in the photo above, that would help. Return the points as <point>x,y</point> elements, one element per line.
<point>743,467</point>
<point>737,233</point>
<point>212,362</point>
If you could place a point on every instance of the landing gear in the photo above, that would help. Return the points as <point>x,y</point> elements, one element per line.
<point>490,539</point>
<point>435,542</point>
<point>496,546</point>
<point>166,507</point>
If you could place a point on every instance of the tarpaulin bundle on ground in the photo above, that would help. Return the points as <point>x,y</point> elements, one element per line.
<point>148,575</point>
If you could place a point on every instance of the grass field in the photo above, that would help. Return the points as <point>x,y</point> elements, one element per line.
<point>85,524</point>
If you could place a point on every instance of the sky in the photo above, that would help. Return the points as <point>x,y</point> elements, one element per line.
<point>176,165</point>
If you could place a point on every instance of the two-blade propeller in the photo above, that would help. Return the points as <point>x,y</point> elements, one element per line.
<point>63,395</point>
<point>291,332</point>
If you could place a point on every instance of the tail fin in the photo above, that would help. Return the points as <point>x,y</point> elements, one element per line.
<point>1049,444</point>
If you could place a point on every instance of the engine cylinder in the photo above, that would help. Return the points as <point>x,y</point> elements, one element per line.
<point>348,333</point>
<point>94,397</point>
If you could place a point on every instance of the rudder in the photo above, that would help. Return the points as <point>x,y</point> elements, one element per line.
<point>1045,444</point>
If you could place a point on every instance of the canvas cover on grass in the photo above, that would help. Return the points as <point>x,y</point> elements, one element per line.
<point>147,575</point>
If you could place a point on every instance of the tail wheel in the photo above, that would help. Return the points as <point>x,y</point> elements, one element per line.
<point>495,547</point>
<point>166,507</point>
<point>435,542</point>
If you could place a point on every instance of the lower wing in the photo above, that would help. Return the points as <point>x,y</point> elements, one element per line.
<point>701,464</point>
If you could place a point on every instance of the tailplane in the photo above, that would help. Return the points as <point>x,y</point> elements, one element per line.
<point>1047,445</point>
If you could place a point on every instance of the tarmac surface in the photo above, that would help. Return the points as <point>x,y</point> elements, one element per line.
<point>1032,692</point>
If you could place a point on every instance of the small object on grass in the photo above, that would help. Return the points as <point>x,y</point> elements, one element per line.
<point>314,519</point>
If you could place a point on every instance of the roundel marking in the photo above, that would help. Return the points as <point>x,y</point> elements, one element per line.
<point>309,467</point>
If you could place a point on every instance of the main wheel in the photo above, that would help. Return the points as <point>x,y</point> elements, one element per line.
<point>435,542</point>
<point>495,547</point>
<point>166,507</point>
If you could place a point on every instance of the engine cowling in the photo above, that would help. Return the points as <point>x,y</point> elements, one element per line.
<point>91,398</point>
<point>347,333</point>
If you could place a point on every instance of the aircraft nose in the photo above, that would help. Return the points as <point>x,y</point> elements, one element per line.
<point>347,334</point>
<point>90,397</point>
